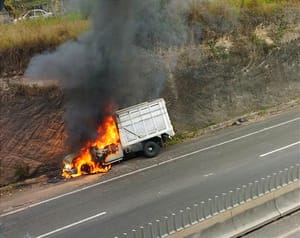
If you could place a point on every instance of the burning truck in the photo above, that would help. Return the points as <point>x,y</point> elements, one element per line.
<point>144,127</point>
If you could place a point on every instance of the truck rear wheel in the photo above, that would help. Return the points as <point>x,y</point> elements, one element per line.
<point>151,149</point>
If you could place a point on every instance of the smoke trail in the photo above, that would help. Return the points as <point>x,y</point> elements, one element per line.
<point>112,64</point>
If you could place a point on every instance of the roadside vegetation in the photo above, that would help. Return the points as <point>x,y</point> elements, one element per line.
<point>52,31</point>
<point>20,41</point>
<point>241,56</point>
<point>56,30</point>
<point>232,15</point>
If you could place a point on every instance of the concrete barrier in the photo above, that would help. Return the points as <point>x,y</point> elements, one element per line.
<point>234,213</point>
<point>248,216</point>
<point>286,203</point>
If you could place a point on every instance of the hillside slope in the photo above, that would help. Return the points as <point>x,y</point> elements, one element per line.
<point>233,63</point>
<point>32,132</point>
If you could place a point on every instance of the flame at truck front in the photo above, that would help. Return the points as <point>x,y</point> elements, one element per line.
<point>92,156</point>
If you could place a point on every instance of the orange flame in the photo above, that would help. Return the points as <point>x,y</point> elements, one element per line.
<point>107,134</point>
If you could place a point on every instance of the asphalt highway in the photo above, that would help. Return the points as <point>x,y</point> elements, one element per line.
<point>190,172</point>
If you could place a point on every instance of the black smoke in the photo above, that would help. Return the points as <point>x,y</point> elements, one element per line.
<point>115,63</point>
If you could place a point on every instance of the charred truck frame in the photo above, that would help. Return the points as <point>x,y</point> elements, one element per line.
<point>144,127</point>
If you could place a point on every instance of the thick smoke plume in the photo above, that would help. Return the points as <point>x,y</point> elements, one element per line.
<point>113,64</point>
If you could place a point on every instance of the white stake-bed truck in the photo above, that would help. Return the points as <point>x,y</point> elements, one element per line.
<point>143,127</point>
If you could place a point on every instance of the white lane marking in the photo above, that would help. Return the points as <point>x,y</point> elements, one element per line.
<point>149,167</point>
<point>280,149</point>
<point>232,140</point>
<point>76,191</point>
<point>71,225</point>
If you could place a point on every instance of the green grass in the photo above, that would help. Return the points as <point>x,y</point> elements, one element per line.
<point>52,31</point>
<point>179,138</point>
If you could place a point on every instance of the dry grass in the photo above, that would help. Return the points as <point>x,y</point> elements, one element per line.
<point>225,8</point>
<point>44,31</point>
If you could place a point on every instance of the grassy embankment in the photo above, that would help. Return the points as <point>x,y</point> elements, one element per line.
<point>20,41</point>
<point>52,31</point>
<point>246,15</point>
<point>56,30</point>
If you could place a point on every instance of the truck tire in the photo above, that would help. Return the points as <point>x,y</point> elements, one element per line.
<point>85,168</point>
<point>151,149</point>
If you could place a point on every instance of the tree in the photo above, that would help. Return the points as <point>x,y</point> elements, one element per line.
<point>7,4</point>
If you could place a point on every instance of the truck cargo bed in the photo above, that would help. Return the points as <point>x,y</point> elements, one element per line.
<point>143,121</point>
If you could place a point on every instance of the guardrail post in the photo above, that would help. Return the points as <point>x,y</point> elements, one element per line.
<point>142,232</point>
<point>275,180</point>
<point>167,225</point>
<point>224,202</point>
<point>294,173</point>
<point>203,209</point>
<point>244,187</point>
<point>286,172</point>
<point>210,205</point>
<point>257,192</point>
<point>174,221</point>
<point>291,177</point>
<point>269,183</point>
<point>125,235</point>
<point>196,209</point>
<point>263,185</point>
<point>231,199</point>
<point>238,196</point>
<point>158,228</point>
<point>250,186</point>
<point>182,218</point>
<point>281,178</point>
<point>216,201</point>
<point>151,230</point>
<point>189,216</point>
<point>133,233</point>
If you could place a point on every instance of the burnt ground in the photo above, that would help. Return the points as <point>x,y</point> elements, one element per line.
<point>221,75</point>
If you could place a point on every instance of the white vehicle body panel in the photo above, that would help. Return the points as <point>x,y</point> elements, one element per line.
<point>143,121</point>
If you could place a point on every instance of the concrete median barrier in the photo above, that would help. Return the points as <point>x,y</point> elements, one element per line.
<point>288,202</point>
<point>233,213</point>
<point>248,216</point>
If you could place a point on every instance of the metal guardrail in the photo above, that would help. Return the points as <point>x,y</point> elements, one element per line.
<point>203,210</point>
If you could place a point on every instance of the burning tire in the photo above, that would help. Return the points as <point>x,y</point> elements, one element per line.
<point>151,149</point>
<point>85,168</point>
